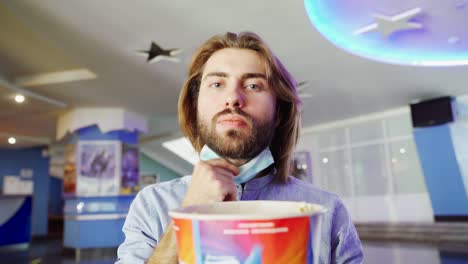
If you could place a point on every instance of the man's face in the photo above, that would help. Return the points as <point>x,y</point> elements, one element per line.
<point>236,106</point>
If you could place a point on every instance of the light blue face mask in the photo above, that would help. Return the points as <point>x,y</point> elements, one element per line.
<point>246,171</point>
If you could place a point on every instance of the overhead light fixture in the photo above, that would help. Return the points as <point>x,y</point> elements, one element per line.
<point>19,98</point>
<point>396,32</point>
<point>325,160</point>
<point>31,94</point>
<point>11,140</point>
<point>402,150</point>
<point>55,77</point>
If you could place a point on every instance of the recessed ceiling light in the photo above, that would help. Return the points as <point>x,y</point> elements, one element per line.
<point>12,140</point>
<point>325,160</point>
<point>19,98</point>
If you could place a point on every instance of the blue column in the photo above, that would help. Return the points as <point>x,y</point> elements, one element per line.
<point>442,172</point>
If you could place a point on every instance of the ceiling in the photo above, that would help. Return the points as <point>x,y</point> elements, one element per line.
<point>104,36</point>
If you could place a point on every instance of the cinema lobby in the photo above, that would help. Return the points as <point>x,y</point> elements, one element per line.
<point>334,132</point>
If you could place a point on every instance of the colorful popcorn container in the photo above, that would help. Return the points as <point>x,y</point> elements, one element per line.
<point>248,232</point>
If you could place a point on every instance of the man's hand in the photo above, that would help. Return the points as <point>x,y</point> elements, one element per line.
<point>212,181</point>
<point>166,250</point>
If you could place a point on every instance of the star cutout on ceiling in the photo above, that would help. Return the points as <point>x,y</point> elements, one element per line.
<point>156,53</point>
<point>303,91</point>
<point>387,25</point>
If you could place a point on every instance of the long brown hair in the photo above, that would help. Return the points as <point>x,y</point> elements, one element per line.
<point>288,103</point>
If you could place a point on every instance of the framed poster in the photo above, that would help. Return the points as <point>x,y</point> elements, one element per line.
<point>130,169</point>
<point>98,168</point>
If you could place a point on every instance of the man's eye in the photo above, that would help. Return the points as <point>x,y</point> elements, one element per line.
<point>215,85</point>
<point>253,86</point>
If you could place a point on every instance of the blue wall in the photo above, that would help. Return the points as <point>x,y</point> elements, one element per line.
<point>55,196</point>
<point>11,162</point>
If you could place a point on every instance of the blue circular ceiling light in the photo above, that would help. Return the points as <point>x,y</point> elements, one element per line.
<point>409,32</point>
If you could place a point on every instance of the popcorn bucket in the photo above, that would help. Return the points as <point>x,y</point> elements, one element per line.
<point>248,232</point>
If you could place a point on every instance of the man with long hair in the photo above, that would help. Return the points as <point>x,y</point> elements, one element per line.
<point>240,110</point>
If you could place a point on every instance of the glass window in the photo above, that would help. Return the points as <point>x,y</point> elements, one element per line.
<point>334,172</point>
<point>399,125</point>
<point>370,177</point>
<point>332,138</point>
<point>406,171</point>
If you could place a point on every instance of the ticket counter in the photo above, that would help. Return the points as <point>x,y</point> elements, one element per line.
<point>15,221</point>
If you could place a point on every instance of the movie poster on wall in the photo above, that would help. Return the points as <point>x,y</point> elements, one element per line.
<point>130,169</point>
<point>69,170</point>
<point>98,168</point>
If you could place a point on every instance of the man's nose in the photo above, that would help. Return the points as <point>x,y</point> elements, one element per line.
<point>235,97</point>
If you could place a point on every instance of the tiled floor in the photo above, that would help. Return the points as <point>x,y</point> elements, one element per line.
<point>399,253</point>
<point>51,251</point>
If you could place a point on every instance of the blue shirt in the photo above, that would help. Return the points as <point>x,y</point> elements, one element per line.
<point>148,217</point>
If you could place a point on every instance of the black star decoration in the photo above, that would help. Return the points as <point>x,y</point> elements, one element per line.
<point>156,53</point>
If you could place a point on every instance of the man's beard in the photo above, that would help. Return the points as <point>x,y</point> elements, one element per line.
<point>235,144</point>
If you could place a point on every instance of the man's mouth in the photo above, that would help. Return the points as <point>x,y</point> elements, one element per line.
<point>232,121</point>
